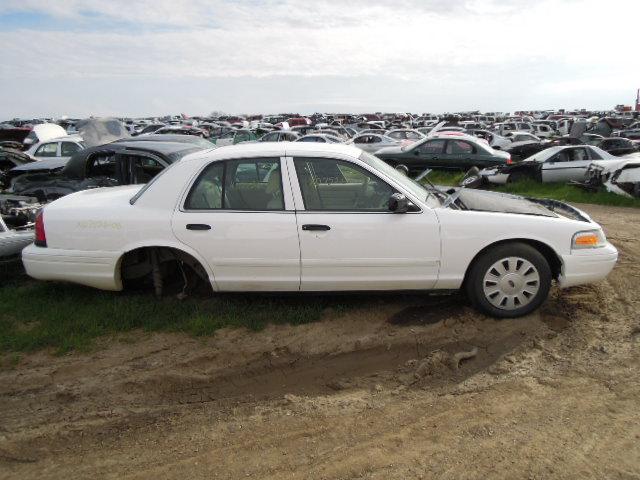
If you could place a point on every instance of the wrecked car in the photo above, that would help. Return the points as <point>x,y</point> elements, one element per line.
<point>523,145</point>
<point>495,141</point>
<point>618,146</point>
<point>555,164</point>
<point>11,158</point>
<point>117,163</point>
<point>235,136</point>
<point>621,177</point>
<point>17,217</point>
<point>372,142</point>
<point>311,230</point>
<point>61,148</point>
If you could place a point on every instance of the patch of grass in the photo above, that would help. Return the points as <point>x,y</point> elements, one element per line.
<point>36,315</point>
<point>567,193</point>
<point>445,178</point>
<point>531,188</point>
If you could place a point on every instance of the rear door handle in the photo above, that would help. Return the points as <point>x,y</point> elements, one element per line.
<point>198,226</point>
<point>312,226</point>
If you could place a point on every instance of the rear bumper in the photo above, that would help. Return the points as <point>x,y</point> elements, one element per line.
<point>94,269</point>
<point>587,266</point>
<point>492,175</point>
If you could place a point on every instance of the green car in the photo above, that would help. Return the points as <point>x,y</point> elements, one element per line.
<point>444,151</point>
<point>235,136</point>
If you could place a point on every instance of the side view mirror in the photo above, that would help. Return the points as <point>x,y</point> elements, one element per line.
<point>398,203</point>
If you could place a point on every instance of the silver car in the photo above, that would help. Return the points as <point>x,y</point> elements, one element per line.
<point>372,142</point>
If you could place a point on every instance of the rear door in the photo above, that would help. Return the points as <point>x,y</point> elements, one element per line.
<point>349,240</point>
<point>461,154</point>
<point>239,216</point>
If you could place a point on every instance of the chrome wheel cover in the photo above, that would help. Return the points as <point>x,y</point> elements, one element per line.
<point>511,283</point>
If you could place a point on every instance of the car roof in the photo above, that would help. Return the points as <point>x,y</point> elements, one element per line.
<point>168,137</point>
<point>165,148</point>
<point>277,149</point>
<point>65,138</point>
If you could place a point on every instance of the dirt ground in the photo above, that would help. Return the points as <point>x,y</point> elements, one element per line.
<point>375,393</point>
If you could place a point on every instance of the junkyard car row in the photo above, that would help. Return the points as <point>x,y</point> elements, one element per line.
<point>292,203</point>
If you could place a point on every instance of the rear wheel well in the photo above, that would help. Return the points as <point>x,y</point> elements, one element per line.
<point>552,258</point>
<point>160,267</point>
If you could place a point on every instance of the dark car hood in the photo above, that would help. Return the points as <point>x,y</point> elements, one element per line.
<point>54,163</point>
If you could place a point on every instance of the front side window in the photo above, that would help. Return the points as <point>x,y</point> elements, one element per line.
<point>47,150</point>
<point>69,148</point>
<point>270,137</point>
<point>432,147</point>
<point>247,184</point>
<point>242,137</point>
<point>578,154</point>
<point>335,185</point>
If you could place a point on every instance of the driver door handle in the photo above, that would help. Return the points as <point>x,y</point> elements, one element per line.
<point>198,226</point>
<point>314,227</point>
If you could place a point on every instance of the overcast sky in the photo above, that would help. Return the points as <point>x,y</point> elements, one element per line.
<point>153,57</point>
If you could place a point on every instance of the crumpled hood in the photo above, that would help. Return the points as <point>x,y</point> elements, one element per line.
<point>99,131</point>
<point>484,201</point>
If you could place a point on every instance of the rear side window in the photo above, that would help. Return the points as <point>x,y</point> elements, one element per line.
<point>247,184</point>
<point>102,165</point>
<point>459,147</point>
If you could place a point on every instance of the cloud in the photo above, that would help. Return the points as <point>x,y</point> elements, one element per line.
<point>482,46</point>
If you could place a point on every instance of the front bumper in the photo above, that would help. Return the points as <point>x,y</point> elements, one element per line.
<point>94,269</point>
<point>587,266</point>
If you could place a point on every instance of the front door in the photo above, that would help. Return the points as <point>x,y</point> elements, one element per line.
<point>238,215</point>
<point>427,154</point>
<point>349,240</point>
<point>570,164</point>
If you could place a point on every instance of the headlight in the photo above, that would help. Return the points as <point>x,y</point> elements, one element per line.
<point>588,239</point>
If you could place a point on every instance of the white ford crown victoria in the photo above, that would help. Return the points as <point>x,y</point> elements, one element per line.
<point>318,217</point>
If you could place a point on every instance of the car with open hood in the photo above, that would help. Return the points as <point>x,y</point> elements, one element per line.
<point>309,217</point>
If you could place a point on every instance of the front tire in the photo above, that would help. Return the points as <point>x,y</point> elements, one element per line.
<point>509,281</point>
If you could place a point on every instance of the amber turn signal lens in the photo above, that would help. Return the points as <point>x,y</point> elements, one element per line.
<point>587,240</point>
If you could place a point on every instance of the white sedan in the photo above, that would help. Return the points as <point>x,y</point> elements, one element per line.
<point>317,217</point>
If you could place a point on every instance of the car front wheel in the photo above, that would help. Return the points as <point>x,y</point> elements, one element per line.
<point>508,281</point>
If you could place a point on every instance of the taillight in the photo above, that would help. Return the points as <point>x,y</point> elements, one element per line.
<point>509,161</point>
<point>41,236</point>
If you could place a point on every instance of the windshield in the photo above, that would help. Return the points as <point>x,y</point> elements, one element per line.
<point>411,185</point>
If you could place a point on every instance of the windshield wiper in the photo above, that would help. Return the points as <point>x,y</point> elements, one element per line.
<point>436,191</point>
<point>451,198</point>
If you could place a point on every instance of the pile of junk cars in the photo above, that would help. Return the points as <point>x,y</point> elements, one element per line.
<point>44,159</point>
